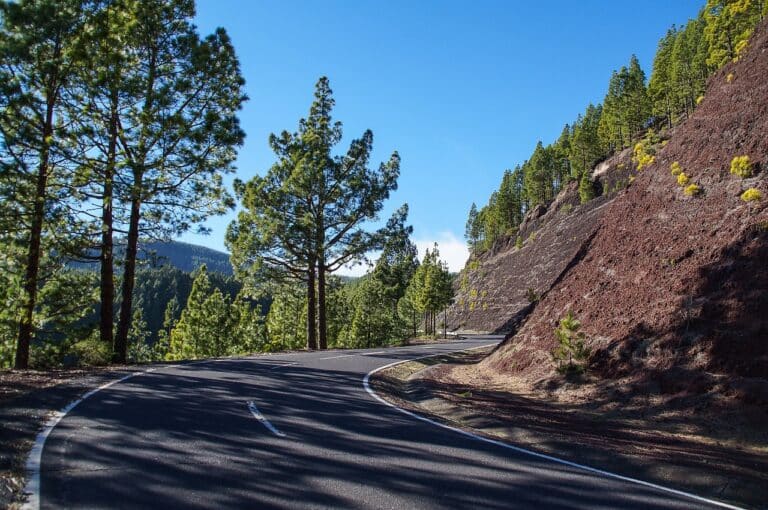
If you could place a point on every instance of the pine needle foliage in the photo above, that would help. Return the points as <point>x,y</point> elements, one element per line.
<point>571,354</point>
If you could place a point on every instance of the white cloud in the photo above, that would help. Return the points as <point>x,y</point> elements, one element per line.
<point>357,270</point>
<point>452,250</point>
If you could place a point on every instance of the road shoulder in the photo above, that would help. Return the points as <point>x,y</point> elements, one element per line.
<point>619,445</point>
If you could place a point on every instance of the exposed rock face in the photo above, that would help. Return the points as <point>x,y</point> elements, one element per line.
<point>495,290</point>
<point>671,288</point>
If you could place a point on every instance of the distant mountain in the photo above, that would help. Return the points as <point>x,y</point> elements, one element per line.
<point>183,256</point>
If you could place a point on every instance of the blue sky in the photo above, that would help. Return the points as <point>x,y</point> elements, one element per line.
<point>462,90</point>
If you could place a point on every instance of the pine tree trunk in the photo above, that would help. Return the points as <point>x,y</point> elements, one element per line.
<point>129,276</point>
<point>33,268</point>
<point>131,250</point>
<point>445,323</point>
<point>107,287</point>
<point>322,325</point>
<point>311,307</point>
<point>33,251</point>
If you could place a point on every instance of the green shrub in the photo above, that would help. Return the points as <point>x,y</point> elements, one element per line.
<point>92,352</point>
<point>741,166</point>
<point>531,295</point>
<point>519,242</point>
<point>47,355</point>
<point>570,355</point>
<point>692,190</point>
<point>751,195</point>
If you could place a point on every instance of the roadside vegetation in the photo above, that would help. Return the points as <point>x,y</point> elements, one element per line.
<point>119,122</point>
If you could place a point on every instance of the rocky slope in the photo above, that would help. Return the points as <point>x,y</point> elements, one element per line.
<point>671,290</point>
<point>496,289</point>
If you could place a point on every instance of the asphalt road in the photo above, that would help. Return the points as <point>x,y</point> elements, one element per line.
<point>186,437</point>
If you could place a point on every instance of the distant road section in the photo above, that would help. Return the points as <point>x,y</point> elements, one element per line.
<point>297,431</point>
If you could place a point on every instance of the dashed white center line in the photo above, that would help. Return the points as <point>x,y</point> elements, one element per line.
<point>257,414</point>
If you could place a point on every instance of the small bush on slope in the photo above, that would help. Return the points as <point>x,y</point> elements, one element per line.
<point>571,354</point>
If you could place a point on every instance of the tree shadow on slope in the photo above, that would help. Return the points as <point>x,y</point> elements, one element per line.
<point>704,375</point>
<point>631,439</point>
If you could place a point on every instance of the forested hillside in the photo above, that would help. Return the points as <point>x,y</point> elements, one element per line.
<point>184,256</point>
<point>666,295</point>
<point>187,257</point>
<point>634,107</point>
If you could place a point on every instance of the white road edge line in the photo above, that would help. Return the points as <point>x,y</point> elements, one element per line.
<point>257,414</point>
<point>607,474</point>
<point>32,487</point>
<point>337,357</point>
<point>283,365</point>
<point>351,355</point>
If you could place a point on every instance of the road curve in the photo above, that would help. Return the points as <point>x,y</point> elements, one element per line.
<point>296,431</point>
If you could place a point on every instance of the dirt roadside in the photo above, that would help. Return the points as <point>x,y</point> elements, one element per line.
<point>625,443</point>
<point>27,399</point>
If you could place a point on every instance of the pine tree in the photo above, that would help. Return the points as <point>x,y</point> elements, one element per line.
<point>181,136</point>
<point>37,61</point>
<point>562,165</point>
<point>203,329</point>
<point>340,309</point>
<point>626,108</point>
<point>611,128</point>
<point>430,290</point>
<point>170,318</point>
<point>248,332</point>
<point>687,81</point>
<point>306,218</point>
<point>398,261</point>
<point>587,148</point>
<point>374,322</point>
<point>538,182</point>
<point>586,188</point>
<point>472,230</point>
<point>286,318</point>
<point>729,23</point>
<point>96,97</point>
<point>660,89</point>
<point>409,311</point>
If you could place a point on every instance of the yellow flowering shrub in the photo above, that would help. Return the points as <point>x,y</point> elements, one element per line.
<point>741,166</point>
<point>740,47</point>
<point>729,78</point>
<point>675,168</point>
<point>683,179</point>
<point>751,195</point>
<point>699,99</point>
<point>692,190</point>
<point>642,155</point>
